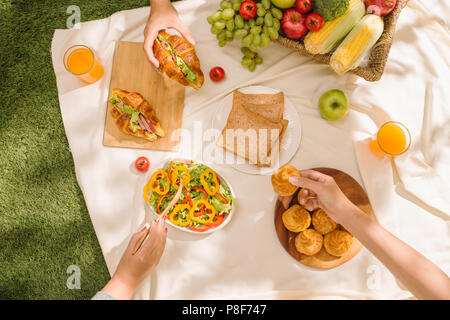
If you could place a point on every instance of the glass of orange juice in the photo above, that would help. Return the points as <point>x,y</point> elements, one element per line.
<point>82,62</point>
<point>392,139</point>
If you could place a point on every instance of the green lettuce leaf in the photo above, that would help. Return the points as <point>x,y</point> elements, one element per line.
<point>134,124</point>
<point>188,73</point>
<point>115,99</point>
<point>132,112</point>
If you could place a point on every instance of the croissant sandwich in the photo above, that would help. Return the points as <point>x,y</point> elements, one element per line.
<point>177,59</point>
<point>134,115</point>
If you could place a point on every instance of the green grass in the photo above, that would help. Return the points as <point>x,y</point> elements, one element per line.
<point>44,222</point>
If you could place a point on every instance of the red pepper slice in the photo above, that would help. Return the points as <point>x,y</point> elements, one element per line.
<point>160,201</point>
<point>201,228</point>
<point>200,190</point>
<point>221,197</point>
<point>169,172</point>
<point>216,221</point>
<point>155,183</point>
<point>200,213</point>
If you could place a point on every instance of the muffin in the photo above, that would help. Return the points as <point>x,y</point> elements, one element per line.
<point>338,242</point>
<point>296,218</point>
<point>322,222</point>
<point>309,242</point>
<point>280,180</point>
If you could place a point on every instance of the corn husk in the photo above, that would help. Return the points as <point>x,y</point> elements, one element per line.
<point>357,43</point>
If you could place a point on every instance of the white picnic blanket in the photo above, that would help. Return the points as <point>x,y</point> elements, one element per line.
<point>245,259</point>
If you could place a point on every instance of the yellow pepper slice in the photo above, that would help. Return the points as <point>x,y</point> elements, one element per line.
<point>145,193</point>
<point>186,177</point>
<point>153,184</point>
<point>173,217</point>
<point>211,191</point>
<point>208,207</point>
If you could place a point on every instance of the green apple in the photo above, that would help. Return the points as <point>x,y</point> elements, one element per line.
<point>284,4</point>
<point>333,105</point>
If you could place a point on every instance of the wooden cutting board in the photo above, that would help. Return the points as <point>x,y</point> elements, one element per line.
<point>132,72</point>
<point>323,260</point>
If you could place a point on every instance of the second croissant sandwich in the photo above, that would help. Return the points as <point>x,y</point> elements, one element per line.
<point>178,60</point>
<point>134,115</point>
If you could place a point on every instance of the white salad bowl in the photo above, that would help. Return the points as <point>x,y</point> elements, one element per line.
<point>185,229</point>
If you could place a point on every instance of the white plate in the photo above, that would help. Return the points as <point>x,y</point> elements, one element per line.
<point>222,179</point>
<point>291,139</point>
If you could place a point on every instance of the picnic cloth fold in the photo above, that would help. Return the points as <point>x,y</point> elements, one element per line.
<point>245,259</point>
<point>424,171</point>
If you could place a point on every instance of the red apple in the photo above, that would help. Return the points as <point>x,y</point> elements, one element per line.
<point>380,7</point>
<point>293,24</point>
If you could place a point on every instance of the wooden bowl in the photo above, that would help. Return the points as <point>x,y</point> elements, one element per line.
<point>323,260</point>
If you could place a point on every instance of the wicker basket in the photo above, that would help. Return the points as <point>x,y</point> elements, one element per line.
<point>379,53</point>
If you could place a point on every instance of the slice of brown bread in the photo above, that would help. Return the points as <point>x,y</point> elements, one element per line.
<point>285,124</point>
<point>273,155</point>
<point>260,98</point>
<point>273,112</point>
<point>255,131</point>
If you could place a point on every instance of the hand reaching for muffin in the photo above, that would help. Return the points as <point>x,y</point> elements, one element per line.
<point>318,191</point>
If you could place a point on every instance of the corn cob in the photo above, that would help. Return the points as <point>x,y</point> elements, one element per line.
<point>324,40</point>
<point>357,43</point>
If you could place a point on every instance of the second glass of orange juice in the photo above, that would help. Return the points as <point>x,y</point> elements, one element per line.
<point>392,139</point>
<point>82,62</point>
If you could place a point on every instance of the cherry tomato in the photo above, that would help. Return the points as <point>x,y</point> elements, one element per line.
<point>216,74</point>
<point>142,164</point>
<point>248,9</point>
<point>303,6</point>
<point>314,21</point>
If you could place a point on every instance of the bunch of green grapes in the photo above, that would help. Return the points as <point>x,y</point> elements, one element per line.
<point>227,24</point>
<point>250,59</point>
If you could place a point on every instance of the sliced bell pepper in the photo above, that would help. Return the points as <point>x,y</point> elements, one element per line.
<point>201,212</point>
<point>186,177</point>
<point>216,221</point>
<point>210,190</point>
<point>201,228</point>
<point>160,202</point>
<point>174,216</point>
<point>145,193</point>
<point>153,184</point>
<point>170,169</point>
<point>152,197</point>
<point>199,190</point>
<point>210,212</point>
<point>221,197</point>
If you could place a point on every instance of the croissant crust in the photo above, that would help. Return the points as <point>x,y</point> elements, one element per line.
<point>167,63</point>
